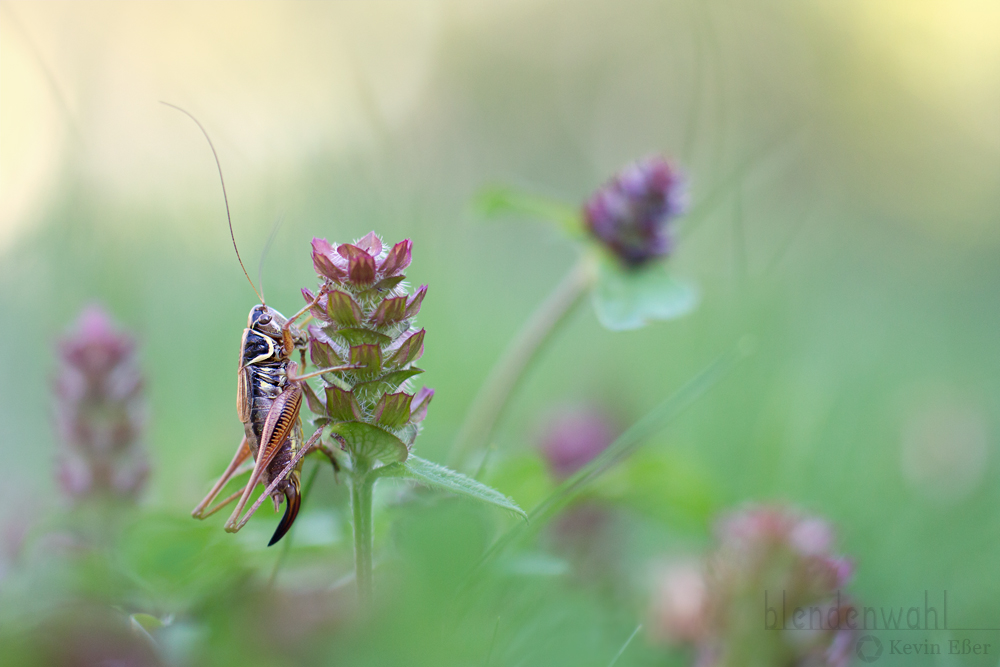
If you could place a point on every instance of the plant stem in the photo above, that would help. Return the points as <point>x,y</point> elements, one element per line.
<point>362,485</point>
<point>491,400</point>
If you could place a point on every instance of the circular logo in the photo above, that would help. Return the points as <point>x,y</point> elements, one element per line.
<point>869,648</point>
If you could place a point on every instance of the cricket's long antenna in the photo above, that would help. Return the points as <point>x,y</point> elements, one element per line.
<point>224,196</point>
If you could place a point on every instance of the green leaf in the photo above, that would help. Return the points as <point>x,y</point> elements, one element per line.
<point>630,299</point>
<point>368,358</point>
<point>410,348</point>
<point>371,442</point>
<point>393,410</point>
<point>323,354</point>
<point>315,403</point>
<point>387,283</point>
<point>341,405</point>
<point>362,337</point>
<point>390,311</point>
<point>343,310</point>
<point>497,201</point>
<point>438,477</point>
<point>524,476</point>
<point>368,391</point>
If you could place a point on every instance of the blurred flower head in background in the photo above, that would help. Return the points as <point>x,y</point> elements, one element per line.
<point>680,603</point>
<point>100,412</point>
<point>632,214</point>
<point>717,607</point>
<point>588,533</point>
<point>572,436</point>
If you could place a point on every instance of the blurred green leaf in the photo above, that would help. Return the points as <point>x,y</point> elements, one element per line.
<point>145,621</point>
<point>668,485</point>
<point>523,476</point>
<point>631,299</point>
<point>497,201</point>
<point>438,477</point>
<point>535,565</point>
<point>179,561</point>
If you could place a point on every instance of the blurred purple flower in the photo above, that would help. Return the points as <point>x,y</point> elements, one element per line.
<point>100,413</point>
<point>761,549</point>
<point>573,436</point>
<point>587,533</point>
<point>632,214</point>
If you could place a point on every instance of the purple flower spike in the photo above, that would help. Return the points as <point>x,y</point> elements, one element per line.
<point>632,214</point>
<point>366,327</point>
<point>100,411</point>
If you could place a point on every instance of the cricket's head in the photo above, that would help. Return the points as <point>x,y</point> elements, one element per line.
<point>266,321</point>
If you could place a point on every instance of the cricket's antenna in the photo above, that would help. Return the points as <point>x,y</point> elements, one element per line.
<point>224,196</point>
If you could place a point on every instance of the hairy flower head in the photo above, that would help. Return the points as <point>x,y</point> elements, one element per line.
<point>100,412</point>
<point>631,215</point>
<point>364,314</point>
<point>762,549</point>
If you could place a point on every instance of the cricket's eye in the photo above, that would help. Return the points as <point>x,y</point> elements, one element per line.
<point>265,318</point>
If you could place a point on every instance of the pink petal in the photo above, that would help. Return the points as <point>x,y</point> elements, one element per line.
<point>361,265</point>
<point>324,260</point>
<point>371,244</point>
<point>418,406</point>
<point>397,259</point>
<point>410,349</point>
<point>414,306</point>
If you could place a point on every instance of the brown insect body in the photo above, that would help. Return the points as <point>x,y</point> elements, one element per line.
<point>268,402</point>
<point>263,388</point>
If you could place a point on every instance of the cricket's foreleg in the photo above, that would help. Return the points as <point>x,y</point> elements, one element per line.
<point>235,468</point>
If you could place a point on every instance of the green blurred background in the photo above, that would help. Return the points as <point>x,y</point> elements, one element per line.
<point>845,186</point>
